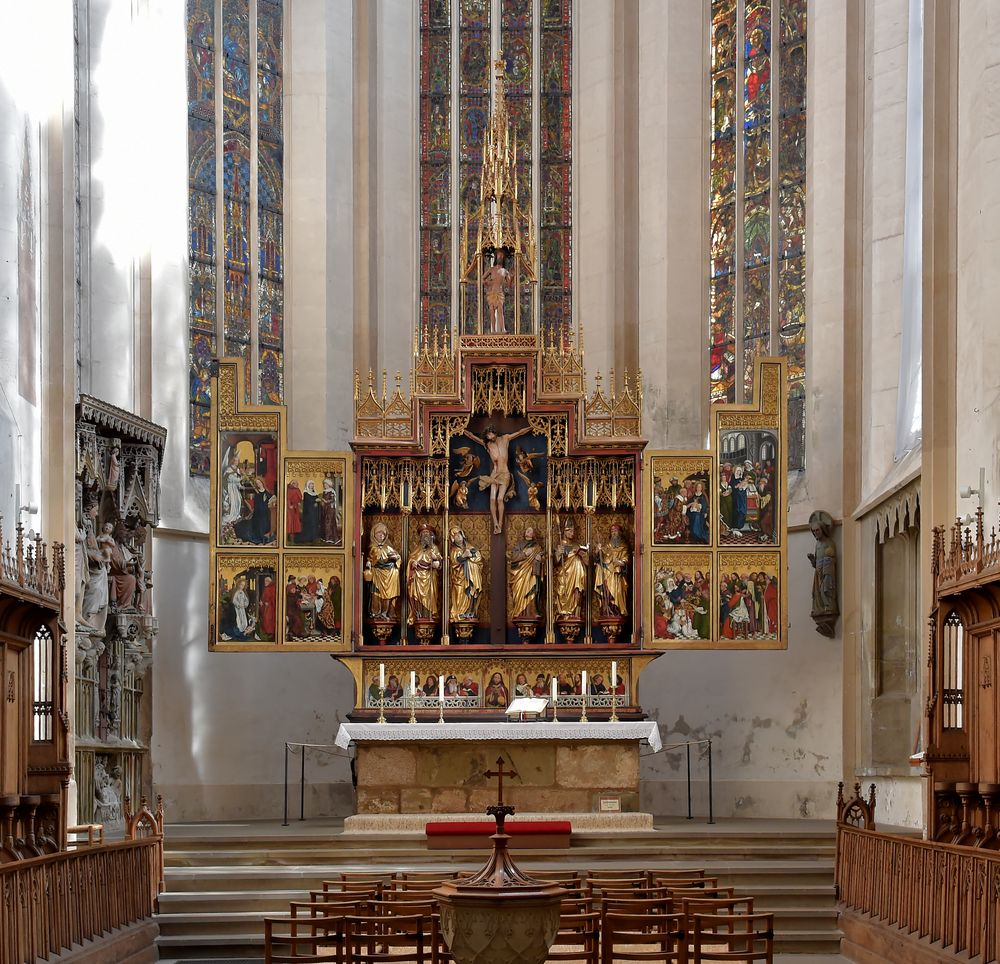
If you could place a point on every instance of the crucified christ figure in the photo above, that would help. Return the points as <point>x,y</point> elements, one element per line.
<point>500,482</point>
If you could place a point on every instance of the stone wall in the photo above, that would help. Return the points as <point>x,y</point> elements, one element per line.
<point>447,777</point>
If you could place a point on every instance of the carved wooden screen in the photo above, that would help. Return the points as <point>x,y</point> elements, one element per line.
<point>716,533</point>
<point>282,532</point>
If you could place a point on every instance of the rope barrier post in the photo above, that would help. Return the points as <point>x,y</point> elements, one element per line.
<point>284,822</point>
<point>711,812</point>
<point>302,786</point>
<point>688,747</point>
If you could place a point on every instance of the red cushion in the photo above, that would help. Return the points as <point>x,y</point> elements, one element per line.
<point>483,828</point>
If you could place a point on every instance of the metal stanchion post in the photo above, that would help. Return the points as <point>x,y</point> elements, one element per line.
<point>688,747</point>
<point>711,812</point>
<point>285,821</point>
<point>302,785</point>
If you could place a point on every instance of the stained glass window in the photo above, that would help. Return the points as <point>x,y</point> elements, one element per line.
<point>234,110</point>
<point>757,199</point>
<point>461,39</point>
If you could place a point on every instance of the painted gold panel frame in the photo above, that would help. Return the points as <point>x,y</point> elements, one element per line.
<point>279,552</point>
<point>735,566</point>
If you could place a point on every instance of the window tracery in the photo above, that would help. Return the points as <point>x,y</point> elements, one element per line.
<point>459,40</point>
<point>236,296</point>
<point>757,200</point>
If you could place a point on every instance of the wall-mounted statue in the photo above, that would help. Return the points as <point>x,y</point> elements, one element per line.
<point>825,608</point>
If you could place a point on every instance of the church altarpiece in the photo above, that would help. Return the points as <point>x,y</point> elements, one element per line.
<point>496,531</point>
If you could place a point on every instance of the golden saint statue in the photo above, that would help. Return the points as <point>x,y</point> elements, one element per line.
<point>423,576</point>
<point>466,576</point>
<point>571,573</point>
<point>382,571</point>
<point>525,576</point>
<point>610,583</point>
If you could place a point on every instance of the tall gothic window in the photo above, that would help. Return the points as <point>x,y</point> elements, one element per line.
<point>757,200</point>
<point>459,42</point>
<point>236,298</point>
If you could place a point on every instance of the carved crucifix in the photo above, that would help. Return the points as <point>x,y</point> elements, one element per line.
<point>499,773</point>
<point>500,811</point>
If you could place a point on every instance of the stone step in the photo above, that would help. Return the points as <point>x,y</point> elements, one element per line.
<point>776,873</point>
<point>582,851</point>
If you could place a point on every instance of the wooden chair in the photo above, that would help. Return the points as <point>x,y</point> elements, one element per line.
<point>578,939</point>
<point>371,876</point>
<point>674,873</point>
<point>635,893</point>
<point>619,874</point>
<point>329,909</point>
<point>574,904</point>
<point>729,906</point>
<point>689,882</point>
<point>637,937</point>
<point>432,875</point>
<point>637,905</point>
<point>367,888</point>
<point>301,940</point>
<point>565,878</point>
<point>410,939</point>
<point>733,937</point>
<point>709,893</point>
<point>618,883</point>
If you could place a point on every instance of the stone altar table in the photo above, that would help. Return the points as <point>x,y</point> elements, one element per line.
<point>564,768</point>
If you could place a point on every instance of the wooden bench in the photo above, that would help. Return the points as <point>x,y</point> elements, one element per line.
<point>475,834</point>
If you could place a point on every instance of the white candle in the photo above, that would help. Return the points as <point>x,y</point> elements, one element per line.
<point>614,676</point>
<point>441,687</point>
<point>555,690</point>
<point>413,683</point>
<point>583,687</point>
<point>381,676</point>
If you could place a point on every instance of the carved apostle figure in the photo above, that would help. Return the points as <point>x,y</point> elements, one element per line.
<point>610,583</point>
<point>496,281</point>
<point>525,566</point>
<point>423,578</point>
<point>825,608</point>
<point>466,576</point>
<point>571,560</point>
<point>382,571</point>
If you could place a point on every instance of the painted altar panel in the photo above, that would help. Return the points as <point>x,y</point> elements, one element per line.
<point>717,529</point>
<point>281,533</point>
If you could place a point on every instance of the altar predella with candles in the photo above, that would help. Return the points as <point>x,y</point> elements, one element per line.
<point>498,529</point>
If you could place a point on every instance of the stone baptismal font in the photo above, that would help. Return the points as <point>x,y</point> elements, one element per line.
<point>499,915</point>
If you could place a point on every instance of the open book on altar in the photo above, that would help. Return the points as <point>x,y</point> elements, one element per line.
<point>526,707</point>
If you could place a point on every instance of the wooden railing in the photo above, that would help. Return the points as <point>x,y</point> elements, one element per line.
<point>48,904</point>
<point>929,890</point>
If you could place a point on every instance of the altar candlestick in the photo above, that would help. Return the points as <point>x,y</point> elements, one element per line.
<point>583,683</point>
<point>441,697</point>
<point>413,682</point>
<point>413,696</point>
<point>614,691</point>
<point>381,676</point>
<point>614,674</point>
<point>583,690</point>
<point>555,698</point>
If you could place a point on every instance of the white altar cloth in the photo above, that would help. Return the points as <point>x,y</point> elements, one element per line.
<point>644,731</point>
